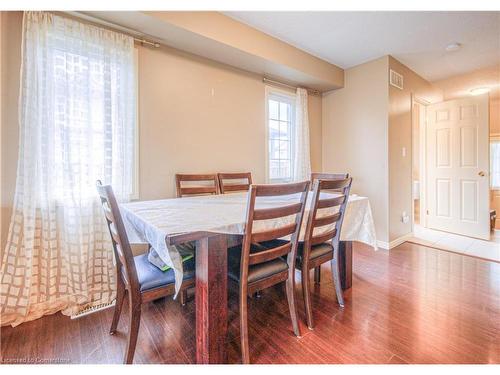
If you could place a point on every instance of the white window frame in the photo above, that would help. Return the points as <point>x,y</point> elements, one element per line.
<point>284,96</point>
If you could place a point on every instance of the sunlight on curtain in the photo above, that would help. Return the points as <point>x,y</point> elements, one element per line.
<point>495,164</point>
<point>77,124</point>
<point>302,159</point>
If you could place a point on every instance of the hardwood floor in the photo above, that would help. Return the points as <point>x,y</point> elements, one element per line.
<point>409,305</point>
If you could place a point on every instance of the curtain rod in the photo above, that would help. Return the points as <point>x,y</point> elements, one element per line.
<point>282,84</point>
<point>138,37</point>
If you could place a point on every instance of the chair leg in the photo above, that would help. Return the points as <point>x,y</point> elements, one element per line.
<point>133,330</point>
<point>317,275</point>
<point>336,277</point>
<point>183,297</point>
<point>306,291</point>
<point>292,305</point>
<point>120,296</point>
<point>245,352</point>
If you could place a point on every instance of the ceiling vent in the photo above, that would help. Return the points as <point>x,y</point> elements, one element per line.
<point>396,79</point>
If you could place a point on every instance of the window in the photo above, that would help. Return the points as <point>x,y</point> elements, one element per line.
<point>94,83</point>
<point>495,164</point>
<point>280,123</point>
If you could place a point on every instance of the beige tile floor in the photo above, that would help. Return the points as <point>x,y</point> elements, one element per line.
<point>459,244</point>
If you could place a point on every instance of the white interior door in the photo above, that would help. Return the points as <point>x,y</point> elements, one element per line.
<point>457,165</point>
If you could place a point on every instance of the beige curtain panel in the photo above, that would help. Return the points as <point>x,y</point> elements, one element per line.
<point>77,124</point>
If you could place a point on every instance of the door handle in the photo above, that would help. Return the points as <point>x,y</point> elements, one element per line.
<point>482,174</point>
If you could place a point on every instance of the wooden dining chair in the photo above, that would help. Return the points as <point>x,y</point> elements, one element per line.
<point>210,186</point>
<point>135,276</point>
<point>317,249</point>
<point>234,187</point>
<point>260,263</point>
<point>324,176</point>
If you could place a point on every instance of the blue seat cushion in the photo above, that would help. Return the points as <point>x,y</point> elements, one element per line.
<point>316,251</point>
<point>150,277</point>
<point>256,272</point>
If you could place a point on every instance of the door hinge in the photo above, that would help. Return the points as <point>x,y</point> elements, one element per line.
<point>427,212</point>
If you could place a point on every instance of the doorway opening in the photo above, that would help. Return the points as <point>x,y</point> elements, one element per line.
<point>440,219</point>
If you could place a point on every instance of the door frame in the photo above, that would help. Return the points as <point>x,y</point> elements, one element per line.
<point>422,134</point>
<point>493,137</point>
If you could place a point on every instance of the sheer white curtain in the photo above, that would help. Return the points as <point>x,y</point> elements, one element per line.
<point>495,164</point>
<point>77,111</point>
<point>302,159</point>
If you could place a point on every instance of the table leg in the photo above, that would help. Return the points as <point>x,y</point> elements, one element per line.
<point>345,263</point>
<point>211,299</point>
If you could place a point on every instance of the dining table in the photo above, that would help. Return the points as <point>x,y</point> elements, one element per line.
<point>215,223</point>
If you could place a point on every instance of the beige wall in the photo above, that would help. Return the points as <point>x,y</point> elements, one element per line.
<point>10,55</point>
<point>225,35</point>
<point>315,132</point>
<point>366,125</point>
<point>195,116</point>
<point>400,136</point>
<point>199,116</point>
<point>355,135</point>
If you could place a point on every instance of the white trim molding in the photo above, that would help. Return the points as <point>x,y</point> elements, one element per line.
<point>398,241</point>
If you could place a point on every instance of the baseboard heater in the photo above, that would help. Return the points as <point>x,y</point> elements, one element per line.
<point>93,309</point>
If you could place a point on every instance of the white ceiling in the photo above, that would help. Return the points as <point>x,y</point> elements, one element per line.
<point>417,39</point>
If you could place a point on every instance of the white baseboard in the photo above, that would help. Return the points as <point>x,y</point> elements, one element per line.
<point>383,245</point>
<point>398,241</point>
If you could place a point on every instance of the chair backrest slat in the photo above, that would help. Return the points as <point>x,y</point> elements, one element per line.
<point>121,246</point>
<point>197,190</point>
<point>334,217</point>
<point>333,184</point>
<point>211,185</point>
<point>264,256</point>
<point>231,187</point>
<point>331,202</point>
<point>327,176</point>
<point>236,187</point>
<point>290,228</point>
<point>273,234</point>
<point>316,240</point>
<point>326,220</point>
<point>279,189</point>
<point>273,213</point>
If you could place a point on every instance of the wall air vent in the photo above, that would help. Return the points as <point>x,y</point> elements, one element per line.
<point>396,79</point>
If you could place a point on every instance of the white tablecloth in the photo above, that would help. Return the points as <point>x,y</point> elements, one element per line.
<point>152,221</point>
